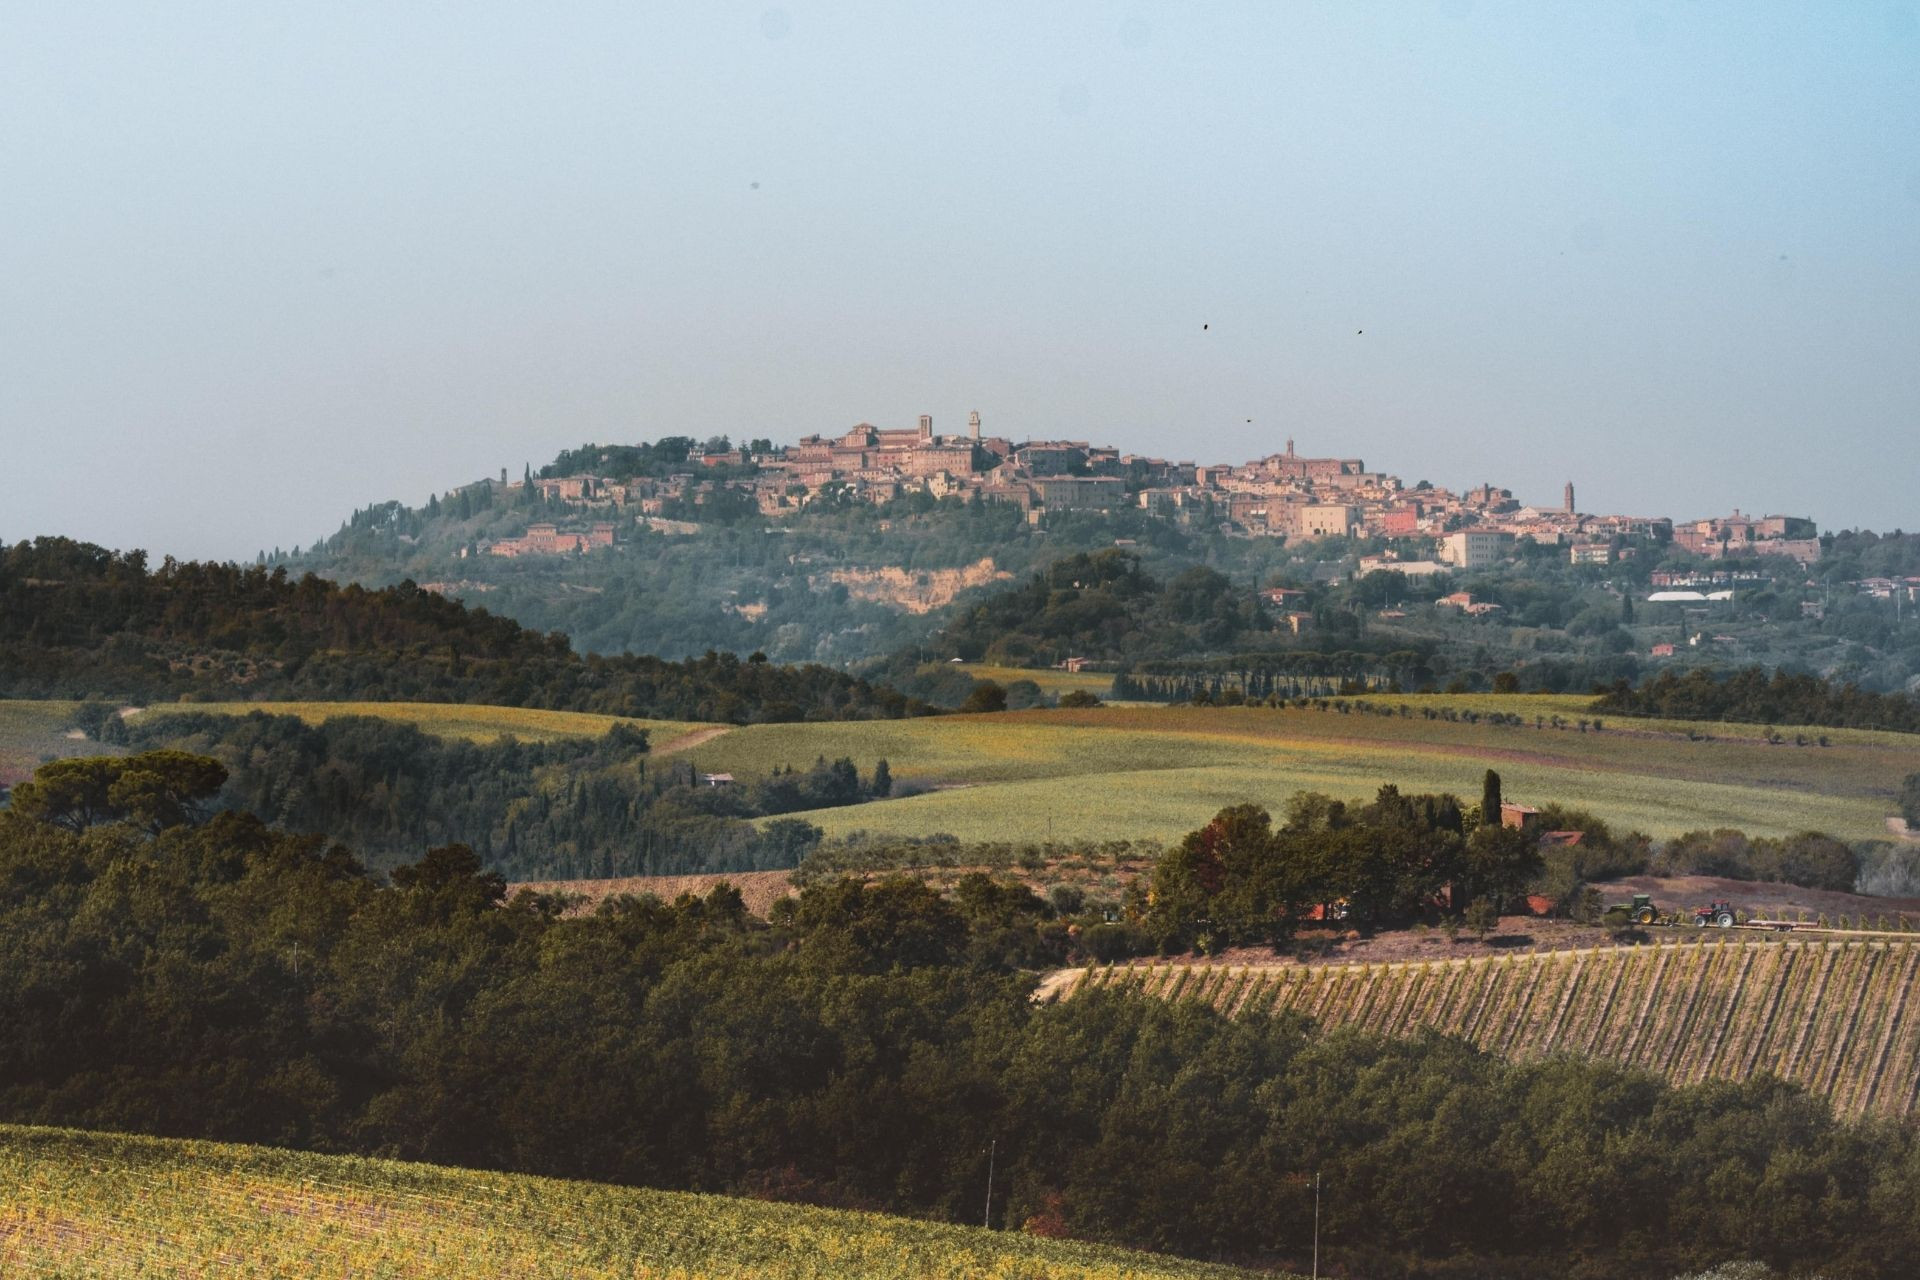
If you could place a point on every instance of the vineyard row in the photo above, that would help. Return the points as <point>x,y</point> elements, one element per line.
<point>1833,1016</point>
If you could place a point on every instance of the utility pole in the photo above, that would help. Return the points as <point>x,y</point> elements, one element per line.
<point>1316,1225</point>
<point>986,1219</point>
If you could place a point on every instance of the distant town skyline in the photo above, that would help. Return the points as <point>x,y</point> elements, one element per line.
<point>266,267</point>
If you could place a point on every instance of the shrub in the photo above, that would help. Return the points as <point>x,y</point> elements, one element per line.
<point>986,696</point>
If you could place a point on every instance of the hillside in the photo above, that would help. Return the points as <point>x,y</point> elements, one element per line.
<point>1125,773</point>
<point>1835,1017</point>
<point>79,621</point>
<point>828,583</point>
<point>1131,773</point>
<point>857,585</point>
<point>112,1207</point>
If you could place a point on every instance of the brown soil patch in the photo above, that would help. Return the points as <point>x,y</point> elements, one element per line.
<point>760,889</point>
<point>1317,946</point>
<point>1677,893</point>
<point>1512,755</point>
<point>688,741</point>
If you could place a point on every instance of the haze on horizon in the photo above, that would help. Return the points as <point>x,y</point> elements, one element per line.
<point>265,265</point>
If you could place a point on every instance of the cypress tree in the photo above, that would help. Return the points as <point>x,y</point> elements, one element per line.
<point>1490,799</point>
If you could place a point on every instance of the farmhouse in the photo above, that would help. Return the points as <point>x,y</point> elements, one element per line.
<point>1521,817</point>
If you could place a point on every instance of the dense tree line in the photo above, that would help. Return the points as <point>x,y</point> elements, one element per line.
<point>863,1047</point>
<point>564,809</point>
<point>1810,859</point>
<point>1753,696</point>
<point>1256,677</point>
<point>78,621</point>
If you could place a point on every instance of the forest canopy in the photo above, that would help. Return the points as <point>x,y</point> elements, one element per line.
<point>78,621</point>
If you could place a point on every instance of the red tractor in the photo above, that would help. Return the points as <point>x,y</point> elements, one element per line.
<point>1714,913</point>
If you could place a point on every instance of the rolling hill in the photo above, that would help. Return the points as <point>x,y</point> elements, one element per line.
<point>1134,772</point>
<point>110,1207</point>
<point>1159,772</point>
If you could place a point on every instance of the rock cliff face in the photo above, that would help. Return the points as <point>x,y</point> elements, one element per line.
<point>916,590</point>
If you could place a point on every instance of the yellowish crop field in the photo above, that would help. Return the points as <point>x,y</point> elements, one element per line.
<point>110,1207</point>
<point>1050,681</point>
<point>1131,772</point>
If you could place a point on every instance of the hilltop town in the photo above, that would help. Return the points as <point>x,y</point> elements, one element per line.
<point>1284,494</point>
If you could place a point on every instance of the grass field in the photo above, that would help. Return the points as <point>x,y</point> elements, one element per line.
<point>31,732</point>
<point>1832,1016</point>
<point>1158,772</point>
<point>109,1207</point>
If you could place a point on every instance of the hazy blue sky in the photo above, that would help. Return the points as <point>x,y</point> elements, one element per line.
<point>262,263</point>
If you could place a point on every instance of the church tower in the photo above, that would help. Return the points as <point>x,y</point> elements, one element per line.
<point>1569,502</point>
<point>973,425</point>
<point>926,428</point>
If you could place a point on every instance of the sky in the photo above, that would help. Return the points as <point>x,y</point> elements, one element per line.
<point>263,264</point>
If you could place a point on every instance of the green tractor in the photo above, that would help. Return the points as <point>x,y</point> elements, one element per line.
<point>1640,911</point>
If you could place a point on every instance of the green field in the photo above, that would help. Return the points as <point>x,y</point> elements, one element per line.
<point>111,1207</point>
<point>31,732</point>
<point>1158,772</point>
<point>1832,1015</point>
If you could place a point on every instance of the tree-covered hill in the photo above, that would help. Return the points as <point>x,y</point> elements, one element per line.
<point>79,621</point>
<point>1105,606</point>
<point>706,569</point>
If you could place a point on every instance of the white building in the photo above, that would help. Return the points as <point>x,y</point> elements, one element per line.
<point>1476,548</point>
